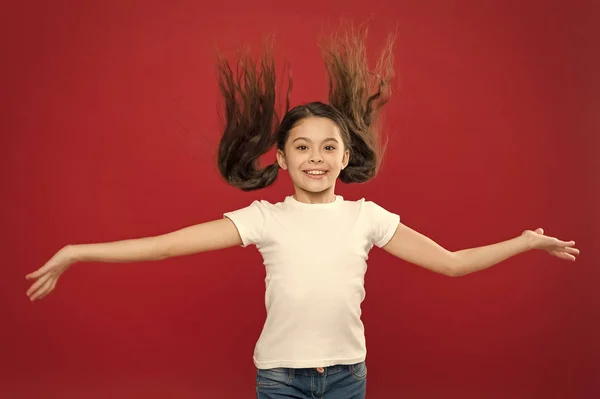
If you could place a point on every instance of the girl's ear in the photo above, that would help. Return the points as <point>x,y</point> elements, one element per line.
<point>281,160</point>
<point>345,159</point>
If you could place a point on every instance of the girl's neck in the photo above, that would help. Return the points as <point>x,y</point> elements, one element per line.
<point>308,197</point>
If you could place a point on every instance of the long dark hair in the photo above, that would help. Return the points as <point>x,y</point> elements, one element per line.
<point>356,96</point>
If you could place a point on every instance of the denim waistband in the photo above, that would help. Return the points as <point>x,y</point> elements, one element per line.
<point>312,370</point>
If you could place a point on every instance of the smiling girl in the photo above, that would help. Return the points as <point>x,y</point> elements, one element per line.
<point>314,243</point>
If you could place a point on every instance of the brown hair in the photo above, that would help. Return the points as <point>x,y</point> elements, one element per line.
<point>356,96</point>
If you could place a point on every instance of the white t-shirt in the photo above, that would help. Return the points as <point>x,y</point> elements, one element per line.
<point>315,258</point>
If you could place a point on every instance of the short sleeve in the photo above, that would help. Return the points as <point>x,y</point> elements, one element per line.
<point>382,223</point>
<point>250,222</point>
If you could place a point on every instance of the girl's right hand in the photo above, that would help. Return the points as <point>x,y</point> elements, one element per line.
<point>47,275</point>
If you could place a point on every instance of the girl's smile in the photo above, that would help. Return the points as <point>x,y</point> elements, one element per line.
<point>316,173</point>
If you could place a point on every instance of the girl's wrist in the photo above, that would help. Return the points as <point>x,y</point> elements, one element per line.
<point>70,252</point>
<point>529,240</point>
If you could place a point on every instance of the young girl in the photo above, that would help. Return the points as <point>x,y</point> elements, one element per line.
<point>314,243</point>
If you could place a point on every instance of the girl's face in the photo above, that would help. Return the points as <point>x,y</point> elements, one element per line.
<point>314,156</point>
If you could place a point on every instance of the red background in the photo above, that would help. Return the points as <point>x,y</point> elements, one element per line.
<point>109,132</point>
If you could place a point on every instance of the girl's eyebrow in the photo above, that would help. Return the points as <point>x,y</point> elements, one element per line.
<point>307,139</point>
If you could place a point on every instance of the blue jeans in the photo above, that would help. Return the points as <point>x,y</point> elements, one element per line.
<point>334,382</point>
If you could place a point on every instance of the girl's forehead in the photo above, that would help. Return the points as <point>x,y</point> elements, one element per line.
<point>315,129</point>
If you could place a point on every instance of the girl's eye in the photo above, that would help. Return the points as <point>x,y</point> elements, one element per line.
<point>327,148</point>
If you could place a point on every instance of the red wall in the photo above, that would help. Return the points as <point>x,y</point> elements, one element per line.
<point>109,132</point>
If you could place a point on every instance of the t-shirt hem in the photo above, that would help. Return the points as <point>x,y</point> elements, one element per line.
<point>302,364</point>
<point>240,228</point>
<point>390,232</point>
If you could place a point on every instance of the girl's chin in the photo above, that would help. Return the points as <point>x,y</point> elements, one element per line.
<point>315,187</point>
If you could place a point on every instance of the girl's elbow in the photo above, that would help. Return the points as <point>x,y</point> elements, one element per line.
<point>454,267</point>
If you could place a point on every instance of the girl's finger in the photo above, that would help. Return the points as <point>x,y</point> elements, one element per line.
<point>563,255</point>
<point>571,250</point>
<point>43,289</point>
<point>37,273</point>
<point>32,275</point>
<point>49,289</point>
<point>567,250</point>
<point>37,284</point>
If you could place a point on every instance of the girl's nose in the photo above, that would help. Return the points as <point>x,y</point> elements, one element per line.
<point>316,158</point>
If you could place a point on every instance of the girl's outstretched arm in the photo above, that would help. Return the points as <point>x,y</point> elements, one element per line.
<point>420,250</point>
<point>209,236</point>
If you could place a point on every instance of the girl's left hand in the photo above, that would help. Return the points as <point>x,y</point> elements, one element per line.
<point>561,249</point>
